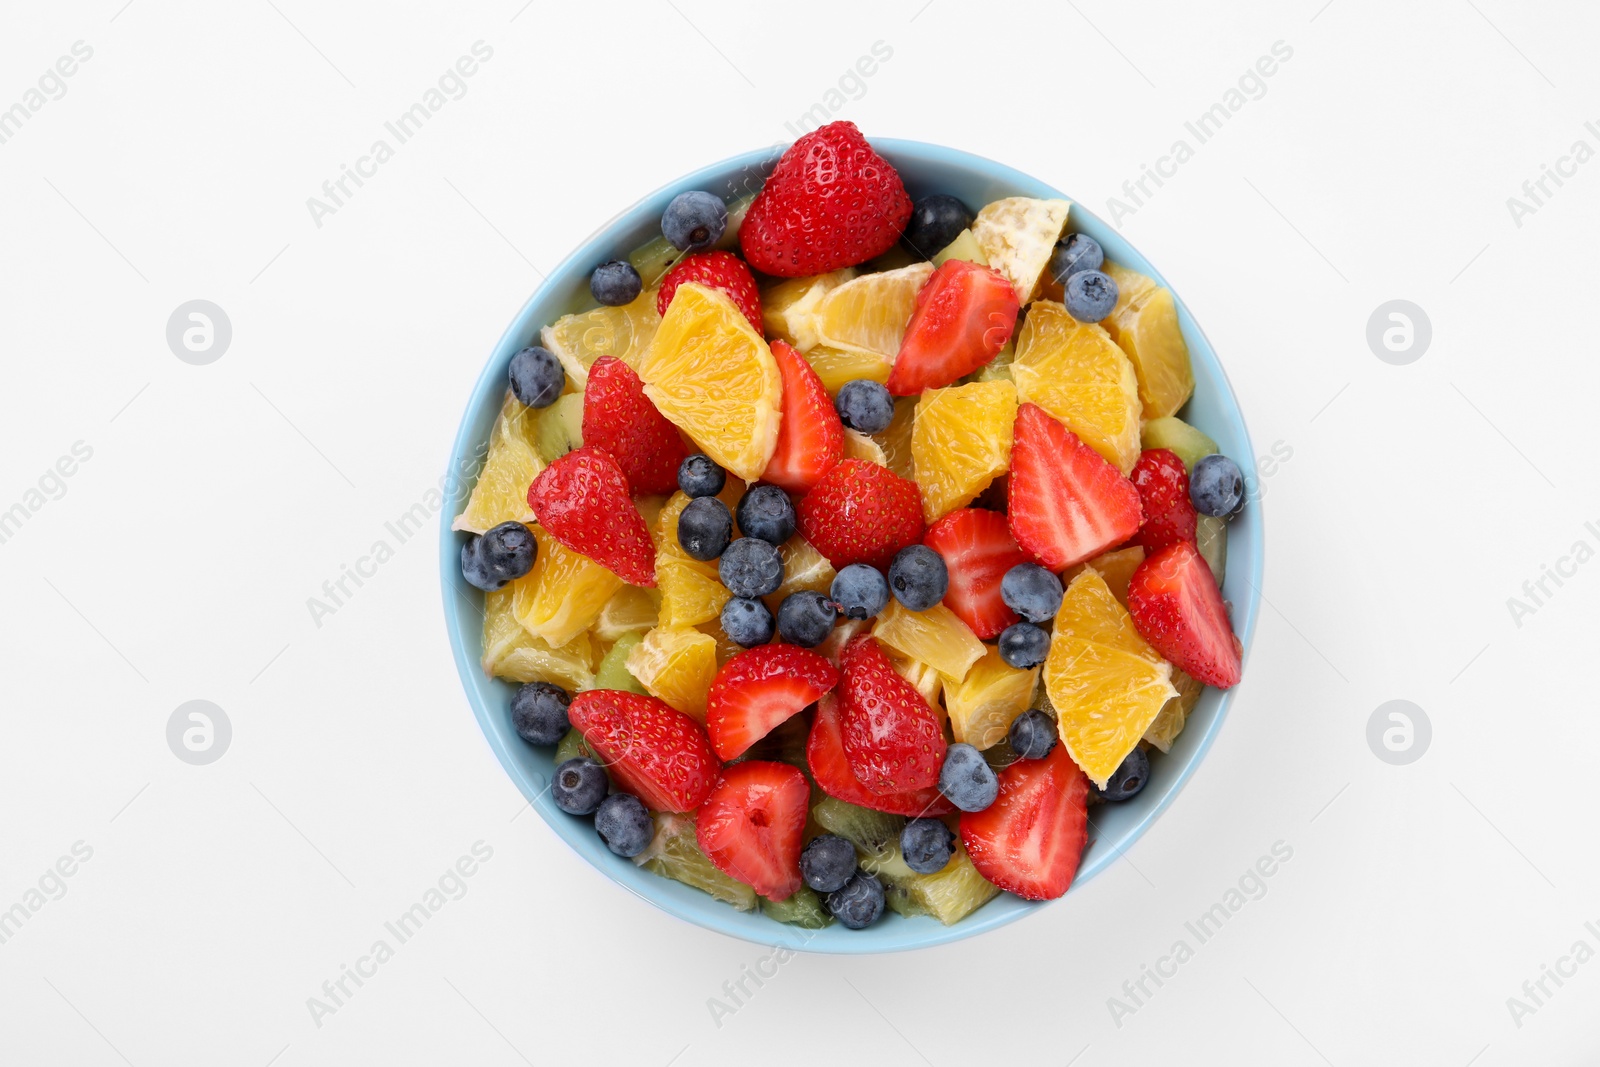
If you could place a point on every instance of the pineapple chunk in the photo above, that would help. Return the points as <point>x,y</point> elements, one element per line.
<point>982,704</point>
<point>1017,236</point>
<point>787,309</point>
<point>936,637</point>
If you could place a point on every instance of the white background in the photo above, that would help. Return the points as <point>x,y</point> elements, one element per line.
<point>219,498</point>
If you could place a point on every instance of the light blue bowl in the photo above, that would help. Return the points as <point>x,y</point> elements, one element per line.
<point>926,169</point>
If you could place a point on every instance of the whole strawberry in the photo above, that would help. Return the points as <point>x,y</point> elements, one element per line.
<point>861,512</point>
<point>651,749</point>
<point>722,271</point>
<point>583,500</point>
<point>892,738</point>
<point>1163,486</point>
<point>619,418</point>
<point>831,202</point>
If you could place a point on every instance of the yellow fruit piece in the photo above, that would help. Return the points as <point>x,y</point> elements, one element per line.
<point>869,314</point>
<point>691,591</point>
<point>563,594</point>
<point>512,653</point>
<point>834,643</point>
<point>624,332</point>
<point>677,665</point>
<point>712,375</point>
<point>726,649</point>
<point>1017,235</point>
<point>1077,373</point>
<point>953,892</point>
<point>803,568</point>
<point>1145,324</point>
<point>982,704</point>
<point>896,440</point>
<point>965,246</point>
<point>1175,712</point>
<point>835,366</point>
<point>960,442</point>
<point>1116,567</point>
<point>630,608</point>
<point>788,308</point>
<point>858,445</point>
<point>936,637</point>
<point>509,467</point>
<point>928,681</point>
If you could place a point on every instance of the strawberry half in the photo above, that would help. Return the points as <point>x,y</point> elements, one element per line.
<point>619,418</point>
<point>1030,839</point>
<point>1065,503</point>
<point>831,202</point>
<point>752,823</point>
<point>1163,486</point>
<point>964,315</point>
<point>1177,607</point>
<point>760,688</point>
<point>652,749</point>
<point>977,548</point>
<point>582,499</point>
<point>810,435</point>
<point>892,738</point>
<point>831,769</point>
<point>722,271</point>
<point>860,512</point>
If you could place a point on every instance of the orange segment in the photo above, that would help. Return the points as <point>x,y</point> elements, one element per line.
<point>677,666</point>
<point>869,314</point>
<point>630,609</point>
<point>859,446</point>
<point>691,591</point>
<point>1145,324</point>
<point>835,366</point>
<point>896,440</point>
<point>788,308</point>
<point>1078,374</point>
<point>509,467</point>
<point>625,332</point>
<point>1116,567</point>
<point>1175,712</point>
<point>936,637</point>
<point>563,594</point>
<point>512,653</point>
<point>982,704</point>
<point>803,568</point>
<point>960,441</point>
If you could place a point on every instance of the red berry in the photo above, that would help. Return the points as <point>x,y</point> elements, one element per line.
<point>1065,503</point>
<point>1177,607</point>
<point>831,769</point>
<point>619,418</point>
<point>892,738</point>
<point>760,688</point>
<point>1163,486</point>
<point>977,548</point>
<point>583,500</point>
<point>722,271</point>
<point>652,749</point>
<point>810,436</point>
<point>964,315</point>
<point>1030,839</point>
<point>861,512</point>
<point>752,824</point>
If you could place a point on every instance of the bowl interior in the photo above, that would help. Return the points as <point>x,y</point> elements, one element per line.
<point>925,169</point>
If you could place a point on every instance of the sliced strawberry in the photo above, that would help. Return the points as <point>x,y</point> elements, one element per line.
<point>1177,607</point>
<point>964,315</point>
<point>892,738</point>
<point>831,769</point>
<point>861,512</point>
<point>977,548</point>
<point>810,436</point>
<point>1065,503</point>
<point>723,271</point>
<point>1163,486</point>
<point>752,823</point>
<point>583,500</point>
<point>619,418</point>
<point>760,688</point>
<point>652,749</point>
<point>1030,839</point>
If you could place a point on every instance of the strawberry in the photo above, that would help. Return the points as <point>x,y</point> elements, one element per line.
<point>722,271</point>
<point>760,688</point>
<point>1065,503</point>
<point>752,824</point>
<point>831,202</point>
<point>1163,486</point>
<point>977,549</point>
<point>619,418</point>
<point>861,512</point>
<point>831,769</point>
<point>964,315</point>
<point>810,436</point>
<point>582,499</point>
<point>1030,839</point>
<point>892,739</point>
<point>1177,607</point>
<point>652,749</point>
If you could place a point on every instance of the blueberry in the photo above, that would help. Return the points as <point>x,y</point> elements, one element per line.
<point>1033,734</point>
<point>864,406</point>
<point>579,786</point>
<point>694,220</point>
<point>860,591</point>
<point>806,618</point>
<point>935,221</point>
<point>699,476</point>
<point>475,569</point>
<point>615,283</point>
<point>747,622</point>
<point>918,577</point>
<point>539,713</point>
<point>765,512</point>
<point>827,862</point>
<point>1090,295</point>
<point>1024,645</point>
<point>927,845</point>
<point>859,903</point>
<point>1032,592</point>
<point>1073,253</point>
<point>624,824</point>
<point>966,779</point>
<point>1129,777</point>
<point>508,550</point>
<point>536,376</point>
<point>705,528</point>
<point>1216,486</point>
<point>751,567</point>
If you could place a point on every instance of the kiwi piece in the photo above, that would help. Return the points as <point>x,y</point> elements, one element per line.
<point>1211,537</point>
<point>997,369</point>
<point>736,213</point>
<point>804,908</point>
<point>653,259</point>
<point>1173,433</point>
<point>613,670</point>
<point>875,834</point>
<point>965,246</point>
<point>560,428</point>
<point>572,746</point>
<point>674,853</point>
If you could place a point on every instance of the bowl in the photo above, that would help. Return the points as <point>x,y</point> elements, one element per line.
<point>925,168</point>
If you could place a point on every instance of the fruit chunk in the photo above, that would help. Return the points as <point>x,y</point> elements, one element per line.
<point>860,446</point>
<point>978,549</point>
<point>1176,606</point>
<point>860,512</point>
<point>752,823</point>
<point>613,670</point>
<point>810,436</point>
<point>560,428</point>
<point>1017,235</point>
<point>896,440</point>
<point>714,377</point>
<point>624,332</point>
<point>1064,502</point>
<point>653,259</point>
<point>1211,538</point>
<point>1116,567</point>
<point>674,852</point>
<point>512,653</point>
<point>631,609</point>
<point>964,315</point>
<point>759,689</point>
<point>676,665</point>
<point>620,419</point>
<point>868,315</point>
<point>1175,712</point>
<point>1145,324</point>
<point>1163,498</point>
<point>965,246</point>
<point>924,677</point>
<point>835,367</point>
<point>804,568</point>
<point>1029,841</point>
<point>573,746</point>
<point>691,591</point>
<point>788,308</point>
<point>1075,372</point>
<point>960,442</point>
<point>722,271</point>
<point>509,467</point>
<point>935,636</point>
<point>563,594</point>
<point>651,749</point>
<point>892,738</point>
<point>1178,436</point>
<point>582,500</point>
<point>982,705</point>
<point>803,909</point>
<point>830,767</point>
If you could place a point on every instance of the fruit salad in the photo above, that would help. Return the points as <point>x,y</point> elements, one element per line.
<point>851,547</point>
